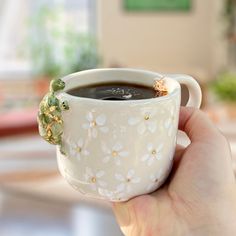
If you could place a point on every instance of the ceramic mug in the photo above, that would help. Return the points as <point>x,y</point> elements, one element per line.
<point>116,150</point>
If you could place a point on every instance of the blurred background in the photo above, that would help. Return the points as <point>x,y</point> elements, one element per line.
<point>41,40</point>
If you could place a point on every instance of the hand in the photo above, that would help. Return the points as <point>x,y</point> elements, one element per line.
<point>199,197</point>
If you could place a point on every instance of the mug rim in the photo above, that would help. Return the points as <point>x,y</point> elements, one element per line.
<point>155,75</point>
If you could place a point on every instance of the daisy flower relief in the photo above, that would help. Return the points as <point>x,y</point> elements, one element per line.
<point>106,193</point>
<point>116,153</point>
<point>95,124</point>
<point>145,122</point>
<point>153,153</point>
<point>94,178</point>
<point>154,180</point>
<point>126,181</point>
<point>78,150</point>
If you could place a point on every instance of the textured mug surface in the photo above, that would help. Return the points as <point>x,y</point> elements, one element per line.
<point>116,150</point>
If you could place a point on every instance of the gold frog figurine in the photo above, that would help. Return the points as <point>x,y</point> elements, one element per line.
<point>49,116</point>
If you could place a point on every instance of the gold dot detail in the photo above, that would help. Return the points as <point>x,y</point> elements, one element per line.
<point>146,117</point>
<point>154,152</point>
<point>93,179</point>
<point>114,153</point>
<point>78,149</point>
<point>93,123</point>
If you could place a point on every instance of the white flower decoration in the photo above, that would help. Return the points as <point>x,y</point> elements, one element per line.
<point>78,150</point>
<point>106,193</point>
<point>154,153</point>
<point>154,180</point>
<point>116,153</point>
<point>170,121</point>
<point>94,178</point>
<point>95,123</point>
<point>145,122</point>
<point>126,181</point>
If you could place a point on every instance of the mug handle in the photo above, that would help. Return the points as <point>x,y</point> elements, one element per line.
<point>195,93</point>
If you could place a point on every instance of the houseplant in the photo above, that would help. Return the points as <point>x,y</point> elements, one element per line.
<point>225,90</point>
<point>56,49</point>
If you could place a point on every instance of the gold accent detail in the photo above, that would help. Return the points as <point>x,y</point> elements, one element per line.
<point>93,179</point>
<point>57,120</point>
<point>49,126</point>
<point>49,133</point>
<point>52,108</point>
<point>146,117</point>
<point>49,114</point>
<point>154,152</point>
<point>93,123</point>
<point>78,149</point>
<point>114,153</point>
<point>160,87</point>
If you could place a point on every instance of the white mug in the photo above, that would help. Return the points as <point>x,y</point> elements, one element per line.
<point>116,150</point>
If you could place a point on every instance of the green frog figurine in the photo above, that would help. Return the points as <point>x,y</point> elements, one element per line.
<point>49,116</point>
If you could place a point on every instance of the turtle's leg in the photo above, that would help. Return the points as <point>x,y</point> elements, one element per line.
<point>62,150</point>
<point>60,143</point>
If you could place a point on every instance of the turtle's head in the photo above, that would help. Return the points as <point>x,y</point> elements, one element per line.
<point>56,85</point>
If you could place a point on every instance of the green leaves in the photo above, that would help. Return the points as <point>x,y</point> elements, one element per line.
<point>55,48</point>
<point>225,87</point>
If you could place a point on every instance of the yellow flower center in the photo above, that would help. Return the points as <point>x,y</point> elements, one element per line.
<point>93,123</point>
<point>93,179</point>
<point>78,149</point>
<point>114,153</point>
<point>154,152</point>
<point>146,117</point>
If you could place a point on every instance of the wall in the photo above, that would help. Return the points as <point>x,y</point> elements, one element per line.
<point>183,42</point>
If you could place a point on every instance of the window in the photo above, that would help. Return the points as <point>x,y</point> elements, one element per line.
<point>14,26</point>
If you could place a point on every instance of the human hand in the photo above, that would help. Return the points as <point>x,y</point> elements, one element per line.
<point>199,198</point>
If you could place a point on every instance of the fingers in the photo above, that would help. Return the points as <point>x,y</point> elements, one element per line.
<point>197,125</point>
<point>122,214</point>
<point>178,153</point>
<point>209,148</point>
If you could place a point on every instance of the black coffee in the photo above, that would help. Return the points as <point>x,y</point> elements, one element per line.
<point>114,91</point>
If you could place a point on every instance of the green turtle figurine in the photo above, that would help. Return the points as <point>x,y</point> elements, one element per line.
<point>49,118</point>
